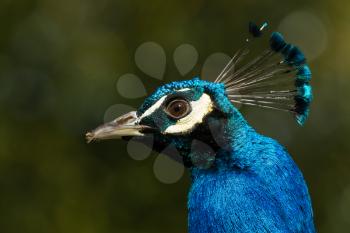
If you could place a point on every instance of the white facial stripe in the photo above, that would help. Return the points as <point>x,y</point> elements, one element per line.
<point>183,90</point>
<point>159,103</point>
<point>153,108</point>
<point>200,109</point>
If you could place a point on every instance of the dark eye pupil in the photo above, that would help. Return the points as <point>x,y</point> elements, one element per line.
<point>177,108</point>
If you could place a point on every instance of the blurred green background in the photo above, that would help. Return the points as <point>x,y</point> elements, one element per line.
<point>59,64</point>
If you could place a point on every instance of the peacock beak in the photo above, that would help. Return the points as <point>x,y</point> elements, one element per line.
<point>124,126</point>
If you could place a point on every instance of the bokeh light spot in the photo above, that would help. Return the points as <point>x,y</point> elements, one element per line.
<point>130,86</point>
<point>213,65</point>
<point>185,58</point>
<point>151,59</point>
<point>307,31</point>
<point>115,111</point>
<point>138,150</point>
<point>167,169</point>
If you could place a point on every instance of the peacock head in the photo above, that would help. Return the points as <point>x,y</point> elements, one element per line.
<point>182,113</point>
<point>199,116</point>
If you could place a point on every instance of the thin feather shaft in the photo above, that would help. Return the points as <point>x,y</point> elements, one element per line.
<point>263,106</point>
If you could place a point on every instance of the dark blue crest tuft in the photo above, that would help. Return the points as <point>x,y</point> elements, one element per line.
<point>304,73</point>
<point>256,31</point>
<point>277,42</point>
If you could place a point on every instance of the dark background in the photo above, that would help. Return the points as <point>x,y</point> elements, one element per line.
<point>59,63</point>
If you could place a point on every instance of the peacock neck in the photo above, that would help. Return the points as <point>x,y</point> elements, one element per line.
<point>216,197</point>
<point>232,139</point>
<point>253,185</point>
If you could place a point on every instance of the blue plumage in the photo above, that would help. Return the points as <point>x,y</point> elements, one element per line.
<point>252,186</point>
<point>241,181</point>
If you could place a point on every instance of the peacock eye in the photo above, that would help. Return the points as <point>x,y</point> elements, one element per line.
<point>178,108</point>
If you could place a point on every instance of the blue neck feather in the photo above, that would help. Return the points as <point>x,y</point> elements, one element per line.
<point>253,186</point>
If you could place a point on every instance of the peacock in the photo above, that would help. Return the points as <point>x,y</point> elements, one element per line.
<point>241,181</point>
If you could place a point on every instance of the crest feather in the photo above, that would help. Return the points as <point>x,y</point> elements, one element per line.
<point>277,79</point>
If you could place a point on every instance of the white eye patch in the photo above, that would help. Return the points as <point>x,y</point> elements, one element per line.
<point>200,109</point>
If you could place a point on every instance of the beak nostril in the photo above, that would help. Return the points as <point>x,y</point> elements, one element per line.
<point>125,120</point>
